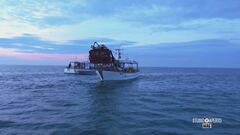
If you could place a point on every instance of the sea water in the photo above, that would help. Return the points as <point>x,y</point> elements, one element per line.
<point>42,100</point>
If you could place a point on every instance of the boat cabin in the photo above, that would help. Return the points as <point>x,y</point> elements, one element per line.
<point>128,66</point>
<point>80,65</point>
<point>125,66</point>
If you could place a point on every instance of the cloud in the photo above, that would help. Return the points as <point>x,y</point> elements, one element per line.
<point>145,22</point>
<point>45,12</point>
<point>69,27</point>
<point>175,11</point>
<point>39,12</point>
<point>212,52</point>
<point>31,43</point>
<point>44,48</point>
<point>18,54</point>
<point>222,28</point>
<point>203,53</point>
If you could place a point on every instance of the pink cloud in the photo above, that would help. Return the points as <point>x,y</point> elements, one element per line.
<point>8,52</point>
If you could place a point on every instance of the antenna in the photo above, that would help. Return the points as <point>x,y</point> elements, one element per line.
<point>119,53</point>
<point>76,58</point>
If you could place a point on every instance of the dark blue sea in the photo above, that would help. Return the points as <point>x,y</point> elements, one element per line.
<point>41,100</point>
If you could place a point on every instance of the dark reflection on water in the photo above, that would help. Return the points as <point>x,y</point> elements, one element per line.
<point>42,100</point>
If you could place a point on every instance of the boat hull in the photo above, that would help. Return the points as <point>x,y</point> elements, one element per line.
<point>111,75</point>
<point>79,71</point>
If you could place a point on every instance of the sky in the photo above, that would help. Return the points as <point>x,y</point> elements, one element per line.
<point>158,33</point>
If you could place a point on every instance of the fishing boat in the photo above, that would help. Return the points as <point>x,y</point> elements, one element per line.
<point>108,67</point>
<point>82,68</point>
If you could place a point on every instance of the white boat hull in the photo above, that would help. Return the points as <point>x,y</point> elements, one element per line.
<point>111,75</point>
<point>79,71</point>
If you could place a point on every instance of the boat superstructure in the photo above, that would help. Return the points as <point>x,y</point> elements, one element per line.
<point>124,71</point>
<point>108,67</point>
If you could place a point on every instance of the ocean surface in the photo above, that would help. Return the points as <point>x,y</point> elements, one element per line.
<point>42,100</point>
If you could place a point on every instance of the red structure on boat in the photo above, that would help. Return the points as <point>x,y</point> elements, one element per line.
<point>100,54</point>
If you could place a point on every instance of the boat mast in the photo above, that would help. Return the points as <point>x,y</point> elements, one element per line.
<point>119,53</point>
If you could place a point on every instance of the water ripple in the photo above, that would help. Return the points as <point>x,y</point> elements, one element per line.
<point>42,100</point>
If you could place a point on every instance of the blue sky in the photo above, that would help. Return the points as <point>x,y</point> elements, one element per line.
<point>172,33</point>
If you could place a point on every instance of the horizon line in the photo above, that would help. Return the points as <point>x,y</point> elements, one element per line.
<point>205,67</point>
